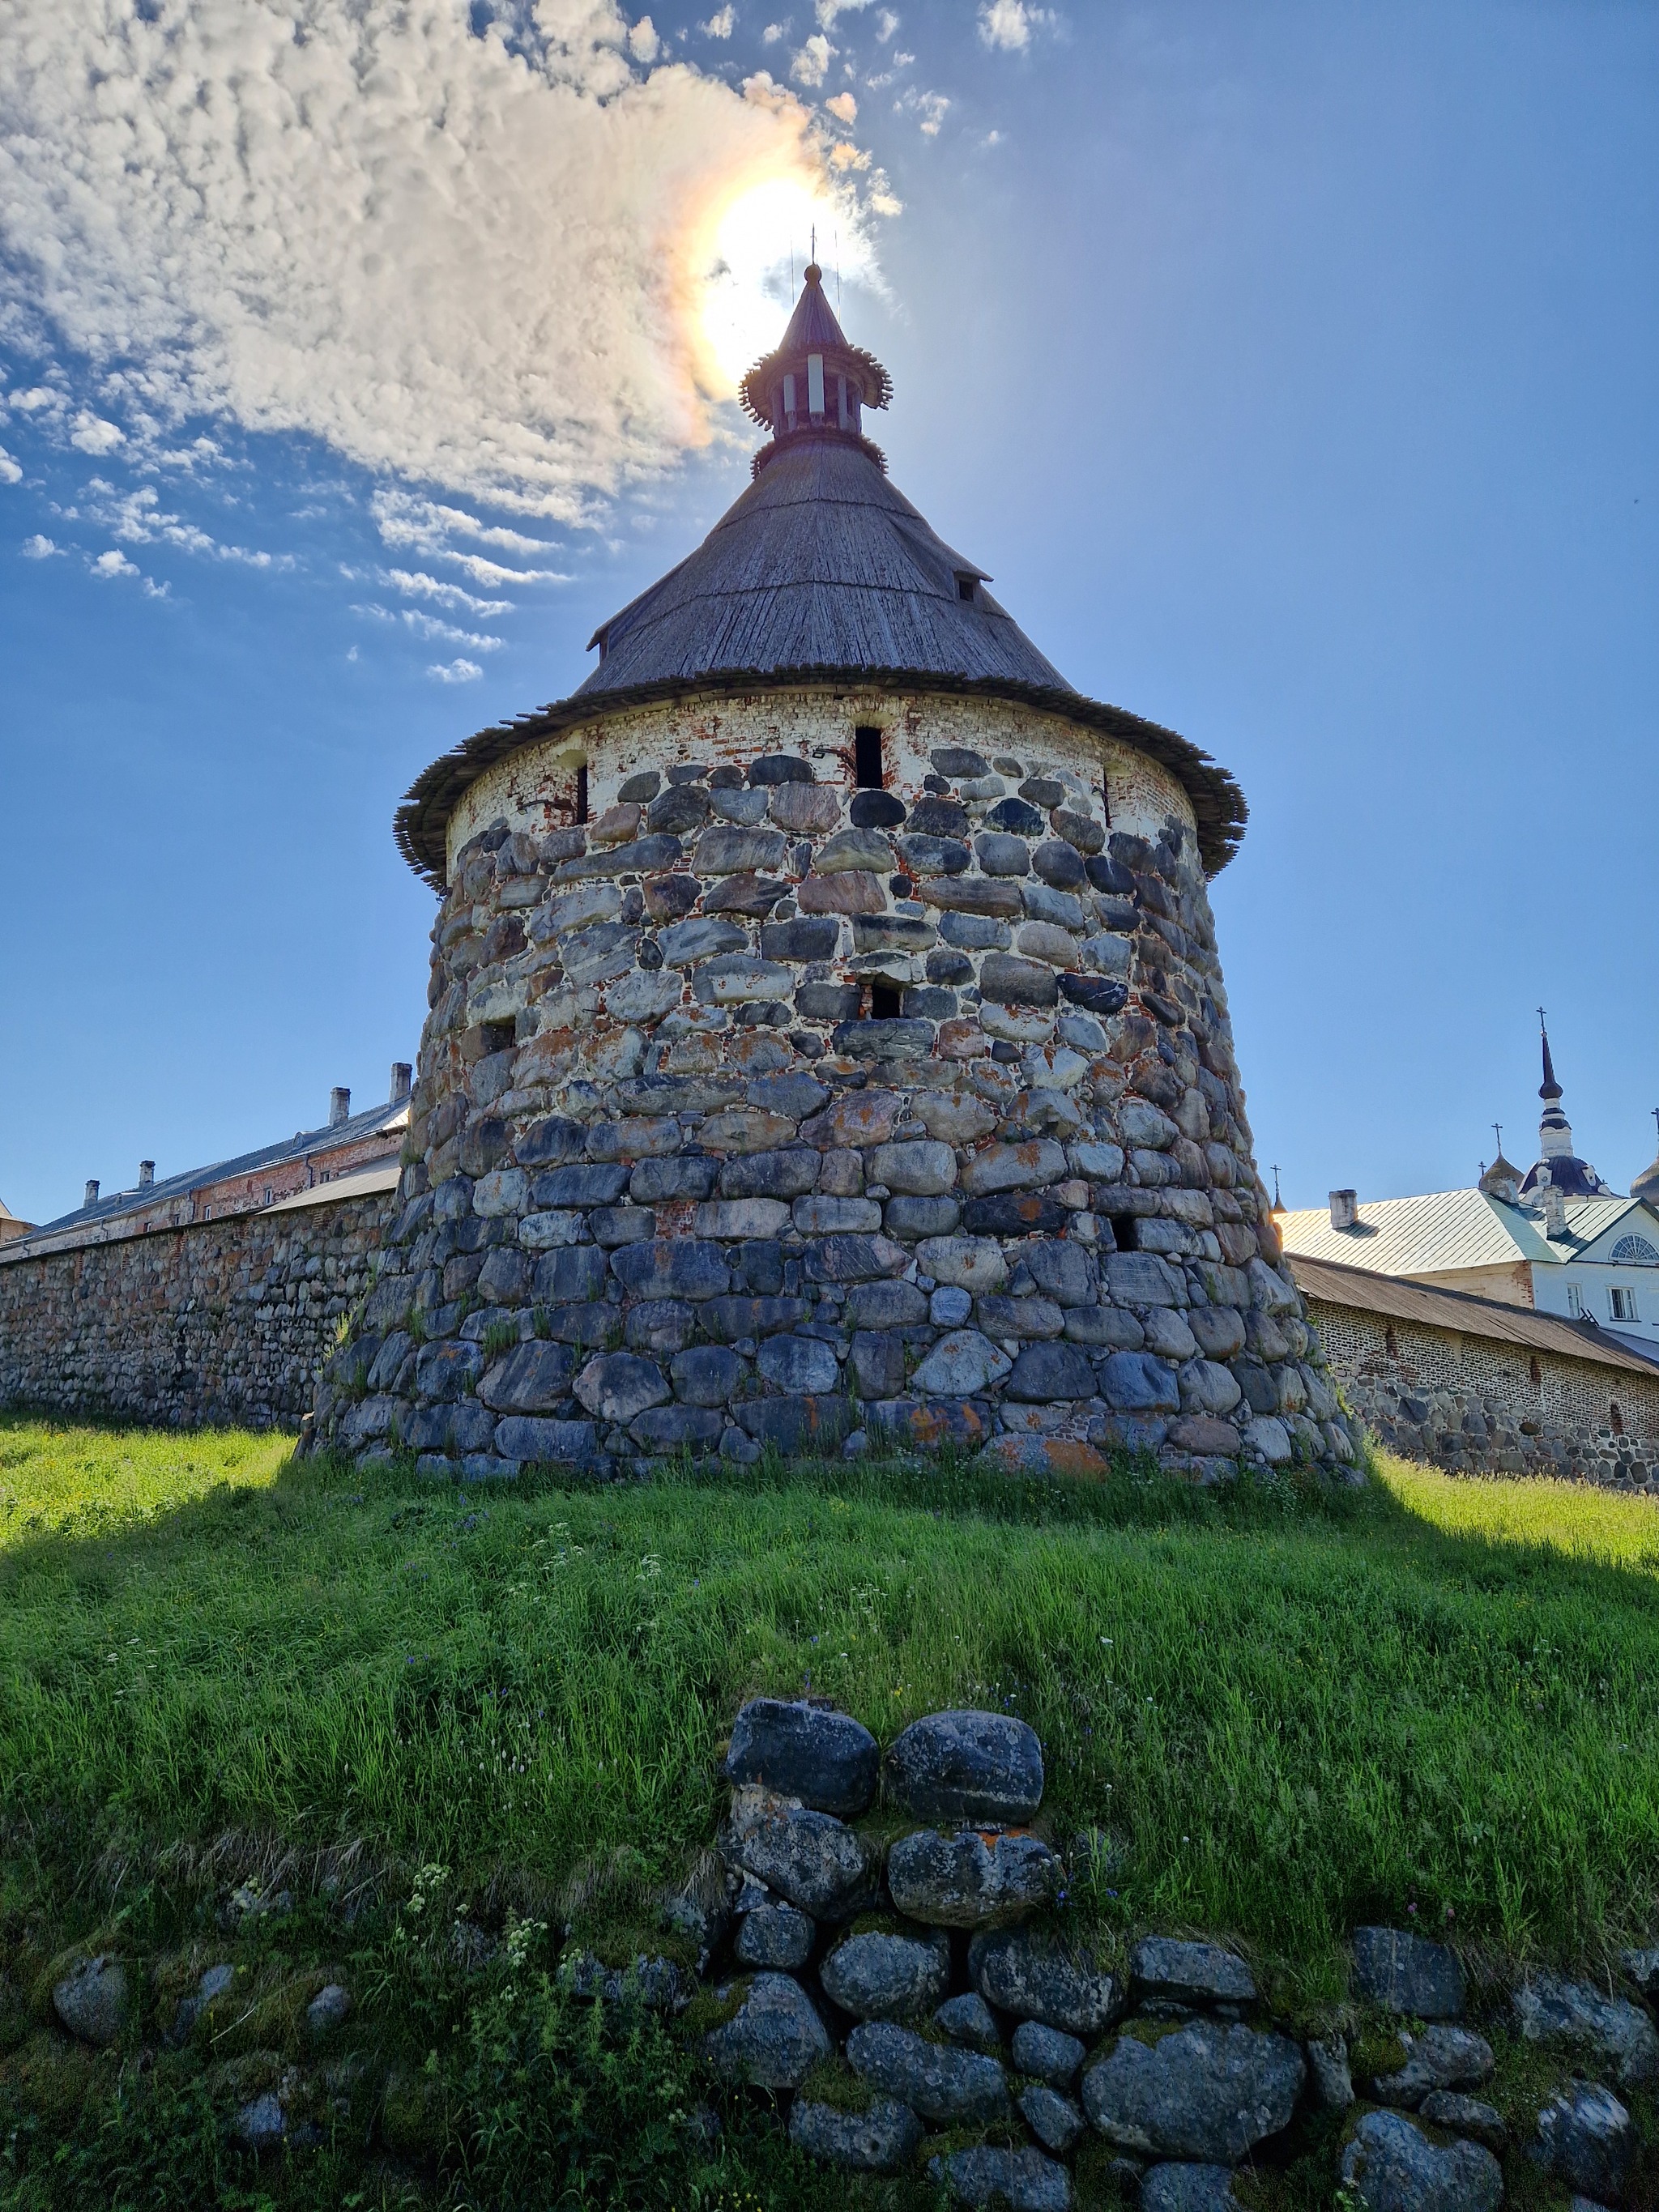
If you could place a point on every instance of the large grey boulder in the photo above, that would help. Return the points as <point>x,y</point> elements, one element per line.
<point>1189,1973</point>
<point>1333,2078</point>
<point>1643,1967</point>
<point>827,1759</point>
<point>261,2124</point>
<point>774,2039</point>
<point>1585,2135</point>
<point>91,2000</point>
<point>1442,2057</point>
<point>1048,2053</point>
<point>1407,1973</point>
<point>1054,2120</point>
<point>982,1767</point>
<point>1392,2167</point>
<point>775,1936</point>
<point>1027,1973</point>
<point>1023,2180</point>
<point>1204,2091</point>
<point>935,2080</point>
<point>882,2139</point>
<point>881,1976</point>
<point>970,1879</point>
<point>1549,2009</point>
<point>970,2019</point>
<point>1183,2188</point>
<point>813,1859</point>
<point>1465,2116</point>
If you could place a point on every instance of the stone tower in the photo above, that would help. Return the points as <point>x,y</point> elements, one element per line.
<point>826,1033</point>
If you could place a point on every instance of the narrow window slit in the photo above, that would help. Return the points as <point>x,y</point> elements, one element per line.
<point>868,771</point>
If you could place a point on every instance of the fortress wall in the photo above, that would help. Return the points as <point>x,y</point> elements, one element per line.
<point>1471,1404</point>
<point>222,1322</point>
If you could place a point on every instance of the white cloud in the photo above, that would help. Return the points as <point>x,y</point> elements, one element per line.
<point>931,106</point>
<point>113,564</point>
<point>427,525</point>
<point>720,24</point>
<point>843,107</point>
<point>773,32</point>
<point>137,518</point>
<point>1007,25</point>
<point>828,10</point>
<point>886,23</point>
<point>39,548</point>
<point>470,259</point>
<point>812,62</point>
<point>428,626</point>
<point>9,471</point>
<point>455,672</point>
<point>415,584</point>
<point>93,435</point>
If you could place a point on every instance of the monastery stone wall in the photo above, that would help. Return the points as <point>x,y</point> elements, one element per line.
<point>765,1109</point>
<point>221,1322</point>
<point>1475,1405</point>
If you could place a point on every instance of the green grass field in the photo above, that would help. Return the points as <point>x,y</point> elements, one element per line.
<point>1282,1712</point>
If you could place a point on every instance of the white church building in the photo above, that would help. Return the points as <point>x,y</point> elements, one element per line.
<point>1556,1238</point>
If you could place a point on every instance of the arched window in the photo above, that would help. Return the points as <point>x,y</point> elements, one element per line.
<point>1637,1251</point>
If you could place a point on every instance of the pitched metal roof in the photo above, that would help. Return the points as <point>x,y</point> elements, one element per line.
<point>1447,1230</point>
<point>375,1121</point>
<point>1470,1316</point>
<point>821,573</point>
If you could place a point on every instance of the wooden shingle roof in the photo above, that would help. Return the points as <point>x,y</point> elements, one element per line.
<point>821,573</point>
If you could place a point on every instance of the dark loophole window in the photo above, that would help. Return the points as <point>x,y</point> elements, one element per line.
<point>966,587</point>
<point>1388,1344</point>
<point>884,1002</point>
<point>1618,1419</point>
<point>498,1037</point>
<point>582,793</point>
<point>1536,1373</point>
<point>1126,1232</point>
<point>867,771</point>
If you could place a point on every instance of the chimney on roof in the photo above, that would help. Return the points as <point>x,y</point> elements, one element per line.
<point>340,1105</point>
<point>91,1198</point>
<point>1344,1209</point>
<point>1555,1211</point>
<point>146,1174</point>
<point>402,1076</point>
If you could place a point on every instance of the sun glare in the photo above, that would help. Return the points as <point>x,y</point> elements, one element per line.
<point>745,288</point>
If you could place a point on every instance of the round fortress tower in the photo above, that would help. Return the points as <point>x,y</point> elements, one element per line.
<point>826,1033</point>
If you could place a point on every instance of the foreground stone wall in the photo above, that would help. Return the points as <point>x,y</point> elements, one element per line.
<point>1475,1405</point>
<point>766,1109</point>
<point>931,2002</point>
<point>222,1322</point>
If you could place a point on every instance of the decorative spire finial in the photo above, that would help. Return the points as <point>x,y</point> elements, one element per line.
<point>1549,1088</point>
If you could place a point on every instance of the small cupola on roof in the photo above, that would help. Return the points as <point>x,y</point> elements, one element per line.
<point>813,383</point>
<point>1646,1185</point>
<point>1557,1166</point>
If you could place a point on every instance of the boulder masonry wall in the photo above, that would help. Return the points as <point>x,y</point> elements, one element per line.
<point>227,1320</point>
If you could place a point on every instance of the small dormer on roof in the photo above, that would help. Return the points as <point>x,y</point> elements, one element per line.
<point>814,384</point>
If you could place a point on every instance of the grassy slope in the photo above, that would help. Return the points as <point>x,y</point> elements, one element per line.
<point>1287,1714</point>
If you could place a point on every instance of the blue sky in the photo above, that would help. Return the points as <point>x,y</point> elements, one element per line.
<point>1292,370</point>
